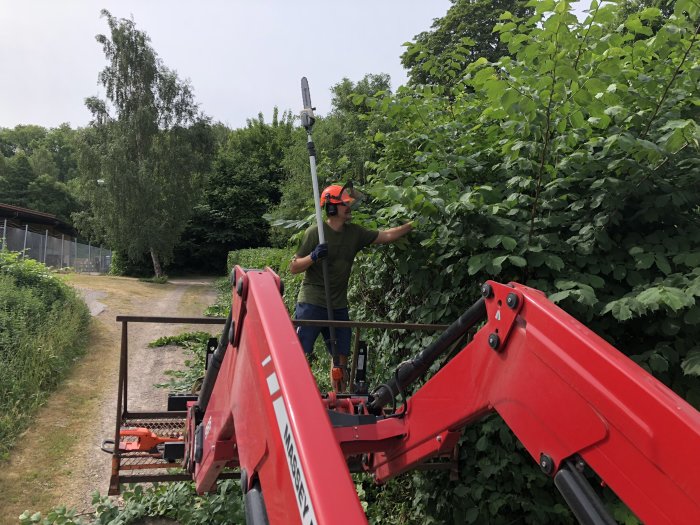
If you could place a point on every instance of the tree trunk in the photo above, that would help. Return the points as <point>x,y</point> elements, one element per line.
<point>156,263</point>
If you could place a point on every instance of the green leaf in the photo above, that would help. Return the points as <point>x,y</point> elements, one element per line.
<point>559,296</point>
<point>518,261</point>
<point>508,243</point>
<point>663,264</point>
<point>509,97</point>
<point>595,281</point>
<point>497,263</point>
<point>577,119</point>
<point>620,309</point>
<point>634,24</point>
<point>677,124</point>
<point>622,312</point>
<point>658,363</point>
<point>358,99</point>
<point>692,316</point>
<point>674,141</point>
<point>650,13</point>
<point>476,263</point>
<point>645,260</point>
<point>691,364</point>
<point>471,515</point>
<point>554,262</point>
<point>672,297</point>
<point>602,121</point>
<point>493,241</point>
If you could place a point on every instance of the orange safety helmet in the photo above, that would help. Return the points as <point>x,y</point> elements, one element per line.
<point>337,194</point>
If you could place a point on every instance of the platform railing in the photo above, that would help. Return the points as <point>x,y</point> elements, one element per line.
<point>130,462</point>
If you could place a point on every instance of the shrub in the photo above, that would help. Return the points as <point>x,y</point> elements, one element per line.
<point>278,260</point>
<point>571,166</point>
<point>43,329</point>
<point>175,501</point>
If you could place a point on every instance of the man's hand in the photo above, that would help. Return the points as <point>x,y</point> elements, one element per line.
<point>319,252</point>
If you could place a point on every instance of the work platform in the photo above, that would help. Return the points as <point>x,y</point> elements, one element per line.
<point>145,467</point>
<point>149,467</point>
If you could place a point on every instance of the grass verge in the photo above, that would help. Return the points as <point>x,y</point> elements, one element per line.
<point>43,330</point>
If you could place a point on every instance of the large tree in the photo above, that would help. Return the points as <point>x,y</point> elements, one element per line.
<point>460,37</point>
<point>242,186</point>
<point>61,142</point>
<point>42,162</point>
<point>18,179</point>
<point>20,138</point>
<point>144,150</point>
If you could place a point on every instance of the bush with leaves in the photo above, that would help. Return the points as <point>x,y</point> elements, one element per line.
<point>276,258</point>
<point>570,165</point>
<point>43,329</point>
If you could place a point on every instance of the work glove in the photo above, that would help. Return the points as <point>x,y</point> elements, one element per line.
<point>319,252</point>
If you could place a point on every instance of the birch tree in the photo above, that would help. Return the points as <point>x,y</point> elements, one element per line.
<point>142,155</point>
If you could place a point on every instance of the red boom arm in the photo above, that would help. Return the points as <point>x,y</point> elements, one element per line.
<point>563,391</point>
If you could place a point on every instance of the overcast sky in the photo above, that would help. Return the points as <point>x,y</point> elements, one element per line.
<point>241,56</point>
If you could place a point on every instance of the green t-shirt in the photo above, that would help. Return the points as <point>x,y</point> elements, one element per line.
<point>342,247</point>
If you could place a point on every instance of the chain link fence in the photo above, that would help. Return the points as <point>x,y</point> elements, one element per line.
<point>57,252</point>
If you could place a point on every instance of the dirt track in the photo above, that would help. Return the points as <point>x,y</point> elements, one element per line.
<point>58,461</point>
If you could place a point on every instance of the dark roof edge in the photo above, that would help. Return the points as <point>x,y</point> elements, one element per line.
<point>17,212</point>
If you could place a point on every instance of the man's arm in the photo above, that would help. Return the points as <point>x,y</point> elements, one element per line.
<point>393,234</point>
<point>300,264</point>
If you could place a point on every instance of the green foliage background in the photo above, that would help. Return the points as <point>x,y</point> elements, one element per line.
<point>43,328</point>
<point>38,169</point>
<point>570,165</point>
<point>243,184</point>
<point>275,258</point>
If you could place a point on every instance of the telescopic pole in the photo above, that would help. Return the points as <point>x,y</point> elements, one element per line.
<point>307,120</point>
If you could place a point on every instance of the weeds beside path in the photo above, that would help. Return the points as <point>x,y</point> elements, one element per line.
<point>58,460</point>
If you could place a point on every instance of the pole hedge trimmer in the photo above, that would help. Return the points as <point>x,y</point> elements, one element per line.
<point>308,120</point>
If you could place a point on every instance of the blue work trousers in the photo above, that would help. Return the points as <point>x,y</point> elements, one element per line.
<point>308,334</point>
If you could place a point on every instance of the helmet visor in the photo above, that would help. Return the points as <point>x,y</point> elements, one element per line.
<point>352,197</point>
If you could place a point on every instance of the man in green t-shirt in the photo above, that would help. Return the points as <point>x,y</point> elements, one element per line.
<point>343,241</point>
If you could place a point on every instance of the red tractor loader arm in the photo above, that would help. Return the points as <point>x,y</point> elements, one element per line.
<point>570,397</point>
<point>265,415</point>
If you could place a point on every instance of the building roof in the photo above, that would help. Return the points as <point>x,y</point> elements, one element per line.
<point>10,211</point>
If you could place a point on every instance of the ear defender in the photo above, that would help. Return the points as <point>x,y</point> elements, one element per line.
<point>331,208</point>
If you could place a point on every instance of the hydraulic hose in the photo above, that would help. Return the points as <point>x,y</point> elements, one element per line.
<point>411,370</point>
<point>214,365</point>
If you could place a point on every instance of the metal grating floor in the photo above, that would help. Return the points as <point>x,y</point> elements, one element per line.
<point>173,428</point>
